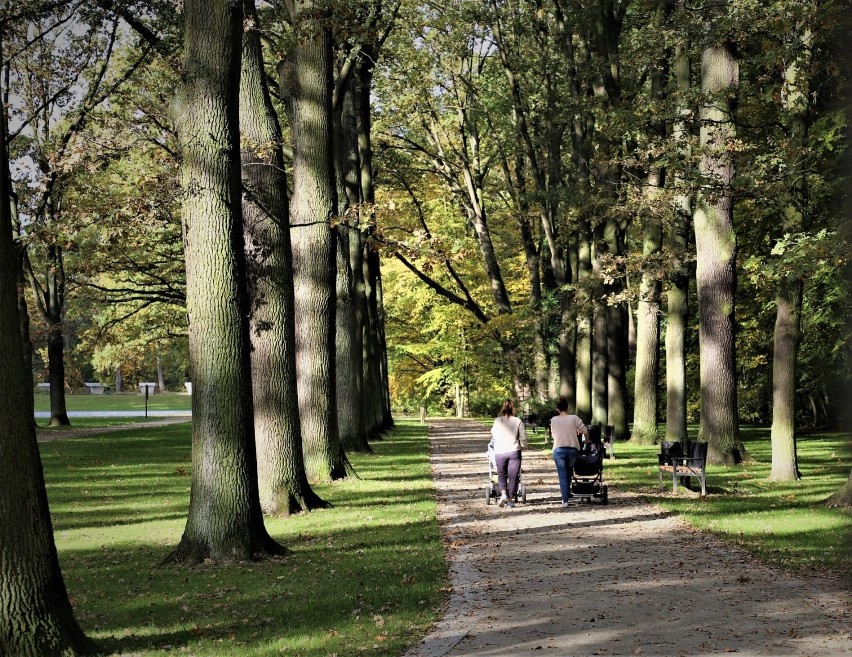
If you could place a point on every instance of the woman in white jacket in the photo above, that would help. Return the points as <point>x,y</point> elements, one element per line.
<point>510,439</point>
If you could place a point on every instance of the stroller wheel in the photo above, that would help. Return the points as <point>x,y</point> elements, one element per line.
<point>488,494</point>
<point>522,493</point>
<point>604,495</point>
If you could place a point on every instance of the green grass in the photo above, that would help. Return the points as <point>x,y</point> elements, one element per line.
<point>365,577</point>
<point>128,401</point>
<point>784,523</point>
<point>93,423</point>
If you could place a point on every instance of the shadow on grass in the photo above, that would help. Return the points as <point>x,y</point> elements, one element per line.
<point>370,567</point>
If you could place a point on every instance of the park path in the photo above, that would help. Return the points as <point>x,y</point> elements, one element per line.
<point>623,579</point>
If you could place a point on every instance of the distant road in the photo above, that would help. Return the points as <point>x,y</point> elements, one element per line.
<point>44,415</point>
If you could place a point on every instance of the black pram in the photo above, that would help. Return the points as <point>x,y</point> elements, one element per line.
<point>587,480</point>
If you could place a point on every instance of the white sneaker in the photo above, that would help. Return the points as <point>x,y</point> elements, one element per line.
<point>510,504</point>
<point>565,505</point>
<point>503,500</point>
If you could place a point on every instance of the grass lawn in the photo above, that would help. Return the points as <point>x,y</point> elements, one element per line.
<point>784,523</point>
<point>93,423</point>
<point>126,401</point>
<point>365,577</point>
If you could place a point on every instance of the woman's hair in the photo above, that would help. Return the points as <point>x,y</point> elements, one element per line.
<point>508,408</point>
<point>562,405</point>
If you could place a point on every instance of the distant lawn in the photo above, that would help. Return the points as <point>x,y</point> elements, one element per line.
<point>785,524</point>
<point>126,401</point>
<point>365,577</point>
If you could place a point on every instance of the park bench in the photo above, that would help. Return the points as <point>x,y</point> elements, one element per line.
<point>97,388</point>
<point>44,387</point>
<point>530,421</point>
<point>150,388</point>
<point>693,463</point>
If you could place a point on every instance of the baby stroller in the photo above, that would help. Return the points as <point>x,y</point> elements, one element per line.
<point>587,480</point>
<point>492,490</point>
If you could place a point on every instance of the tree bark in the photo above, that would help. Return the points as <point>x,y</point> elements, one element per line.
<point>648,321</point>
<point>616,345</point>
<point>282,483</point>
<point>225,520</point>
<point>350,373</point>
<point>314,243</point>
<point>677,296</point>
<point>36,617</point>
<point>715,243</point>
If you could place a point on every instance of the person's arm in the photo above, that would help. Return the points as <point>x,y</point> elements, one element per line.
<point>522,435</point>
<point>583,429</point>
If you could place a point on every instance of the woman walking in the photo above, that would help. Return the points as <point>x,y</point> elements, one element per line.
<point>510,439</point>
<point>565,428</point>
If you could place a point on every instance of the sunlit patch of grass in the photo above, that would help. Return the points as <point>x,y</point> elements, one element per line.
<point>364,577</point>
<point>783,522</point>
<point>128,401</point>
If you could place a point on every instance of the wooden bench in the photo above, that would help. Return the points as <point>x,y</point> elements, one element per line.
<point>691,464</point>
<point>44,387</point>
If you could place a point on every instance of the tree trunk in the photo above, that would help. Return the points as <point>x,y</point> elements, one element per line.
<point>161,380</point>
<point>584,326</point>
<point>314,244</point>
<point>349,349</point>
<point>842,497</point>
<point>56,374</point>
<point>788,301</point>
<point>20,253</point>
<point>715,244</point>
<point>36,618</point>
<point>616,345</point>
<point>599,365</point>
<point>282,484</point>
<point>677,309</point>
<point>225,520</point>
<point>648,322</point>
<point>785,465</point>
<point>119,381</point>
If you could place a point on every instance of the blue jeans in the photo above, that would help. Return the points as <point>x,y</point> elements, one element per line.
<point>564,457</point>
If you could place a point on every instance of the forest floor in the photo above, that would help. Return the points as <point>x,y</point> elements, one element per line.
<point>627,578</point>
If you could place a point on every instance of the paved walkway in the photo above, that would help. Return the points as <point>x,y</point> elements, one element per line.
<point>622,579</point>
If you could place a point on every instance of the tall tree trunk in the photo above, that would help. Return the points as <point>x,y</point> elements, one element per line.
<point>715,243</point>
<point>282,483</point>
<point>225,520</point>
<point>119,381</point>
<point>36,618</point>
<point>599,366</point>
<point>161,380</point>
<point>788,301</point>
<point>349,348</point>
<point>677,296</point>
<point>584,325</point>
<point>616,344</point>
<point>648,320</point>
<point>20,254</point>
<point>56,373</point>
<point>314,241</point>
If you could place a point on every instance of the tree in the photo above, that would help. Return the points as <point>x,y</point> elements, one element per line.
<point>36,618</point>
<point>281,476</point>
<point>715,243</point>
<point>225,521</point>
<point>314,240</point>
<point>788,301</point>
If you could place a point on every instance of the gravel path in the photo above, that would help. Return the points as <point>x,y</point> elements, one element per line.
<point>623,579</point>
<point>45,435</point>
